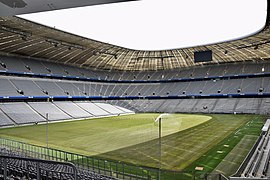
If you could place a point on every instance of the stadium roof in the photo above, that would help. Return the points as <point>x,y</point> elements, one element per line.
<point>23,37</point>
<point>16,7</point>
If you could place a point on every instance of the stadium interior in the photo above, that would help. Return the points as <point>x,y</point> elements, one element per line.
<point>51,76</point>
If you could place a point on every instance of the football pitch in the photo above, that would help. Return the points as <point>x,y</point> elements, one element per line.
<point>188,140</point>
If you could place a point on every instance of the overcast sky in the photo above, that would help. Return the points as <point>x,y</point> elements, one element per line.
<point>160,24</point>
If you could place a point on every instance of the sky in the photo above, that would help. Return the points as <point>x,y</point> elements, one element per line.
<point>160,24</point>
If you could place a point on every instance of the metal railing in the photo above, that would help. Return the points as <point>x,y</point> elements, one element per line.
<point>116,169</point>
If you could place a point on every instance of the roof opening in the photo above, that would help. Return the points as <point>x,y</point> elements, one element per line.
<point>160,24</point>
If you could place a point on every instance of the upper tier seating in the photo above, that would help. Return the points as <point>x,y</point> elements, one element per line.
<point>20,64</point>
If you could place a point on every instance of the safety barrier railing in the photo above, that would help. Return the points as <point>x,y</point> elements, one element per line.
<point>115,169</point>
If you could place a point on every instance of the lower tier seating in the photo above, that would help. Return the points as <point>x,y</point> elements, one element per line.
<point>15,166</point>
<point>226,105</point>
<point>17,113</point>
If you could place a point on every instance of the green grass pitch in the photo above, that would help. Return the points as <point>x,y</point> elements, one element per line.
<point>188,140</point>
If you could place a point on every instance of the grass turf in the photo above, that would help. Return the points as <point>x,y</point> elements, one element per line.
<point>181,149</point>
<point>96,136</point>
<point>188,140</point>
<point>210,160</point>
<point>237,155</point>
